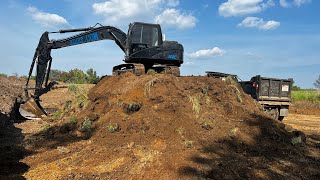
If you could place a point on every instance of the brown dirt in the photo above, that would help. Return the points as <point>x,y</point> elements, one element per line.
<point>166,127</point>
<point>10,89</point>
<point>305,107</point>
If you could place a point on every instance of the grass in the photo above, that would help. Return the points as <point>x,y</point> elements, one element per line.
<point>151,72</point>
<point>81,94</point>
<point>195,101</point>
<point>44,128</point>
<point>113,127</point>
<point>180,131</point>
<point>57,115</point>
<point>303,95</point>
<point>148,85</point>
<point>188,143</point>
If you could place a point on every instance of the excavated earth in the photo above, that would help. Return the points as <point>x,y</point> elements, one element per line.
<point>164,127</point>
<point>11,88</point>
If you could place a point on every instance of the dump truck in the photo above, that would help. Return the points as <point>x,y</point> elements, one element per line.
<point>273,94</point>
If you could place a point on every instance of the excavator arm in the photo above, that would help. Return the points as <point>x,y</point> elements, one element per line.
<point>42,57</point>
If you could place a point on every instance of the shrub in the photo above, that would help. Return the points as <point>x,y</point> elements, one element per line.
<point>80,93</point>
<point>188,143</point>
<point>151,72</point>
<point>113,127</point>
<point>87,128</point>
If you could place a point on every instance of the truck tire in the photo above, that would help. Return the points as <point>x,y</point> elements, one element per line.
<point>280,118</point>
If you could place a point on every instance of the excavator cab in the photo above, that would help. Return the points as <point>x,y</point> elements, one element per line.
<point>143,36</point>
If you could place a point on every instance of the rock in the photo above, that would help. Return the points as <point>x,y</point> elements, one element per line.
<point>296,140</point>
<point>130,145</point>
<point>63,149</point>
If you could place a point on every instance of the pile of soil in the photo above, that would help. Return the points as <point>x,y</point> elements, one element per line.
<point>305,107</point>
<point>167,127</point>
<point>11,88</point>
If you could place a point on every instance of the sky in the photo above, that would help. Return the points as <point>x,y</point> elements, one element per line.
<point>272,38</point>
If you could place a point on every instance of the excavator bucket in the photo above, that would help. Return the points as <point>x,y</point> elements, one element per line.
<point>32,109</point>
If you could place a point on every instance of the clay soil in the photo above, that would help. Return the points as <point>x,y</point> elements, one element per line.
<point>159,127</point>
<point>10,89</point>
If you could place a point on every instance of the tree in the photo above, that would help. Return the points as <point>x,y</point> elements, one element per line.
<point>317,83</point>
<point>92,76</point>
<point>295,87</point>
<point>77,76</point>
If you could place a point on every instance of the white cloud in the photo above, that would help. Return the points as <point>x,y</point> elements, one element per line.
<point>46,19</point>
<point>173,3</point>
<point>119,10</point>
<point>297,3</point>
<point>122,12</point>
<point>254,22</point>
<point>174,18</point>
<point>243,7</point>
<point>206,53</point>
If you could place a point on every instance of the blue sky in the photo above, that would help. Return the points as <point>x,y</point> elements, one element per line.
<point>276,38</point>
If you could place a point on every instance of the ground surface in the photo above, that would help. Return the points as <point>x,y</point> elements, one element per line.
<point>160,127</point>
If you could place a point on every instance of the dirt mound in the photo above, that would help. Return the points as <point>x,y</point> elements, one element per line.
<point>305,107</point>
<point>10,89</point>
<point>167,127</point>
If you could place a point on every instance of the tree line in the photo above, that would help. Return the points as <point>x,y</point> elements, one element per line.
<point>74,76</point>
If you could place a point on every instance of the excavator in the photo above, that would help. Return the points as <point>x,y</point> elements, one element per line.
<point>143,46</point>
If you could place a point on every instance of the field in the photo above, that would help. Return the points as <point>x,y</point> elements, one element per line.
<point>306,95</point>
<point>160,127</point>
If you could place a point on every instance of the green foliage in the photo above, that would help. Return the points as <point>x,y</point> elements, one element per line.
<point>188,143</point>
<point>295,87</point>
<point>87,127</point>
<point>57,114</point>
<point>303,95</point>
<point>80,93</point>
<point>92,76</point>
<point>113,127</point>
<point>75,76</point>
<point>151,72</point>
<point>3,75</point>
<point>317,83</point>
<point>44,128</point>
<point>67,105</point>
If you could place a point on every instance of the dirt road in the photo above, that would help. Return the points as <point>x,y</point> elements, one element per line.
<point>309,124</point>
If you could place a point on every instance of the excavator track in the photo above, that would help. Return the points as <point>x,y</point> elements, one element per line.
<point>174,70</point>
<point>137,69</point>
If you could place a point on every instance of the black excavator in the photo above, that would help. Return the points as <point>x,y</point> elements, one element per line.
<point>143,47</point>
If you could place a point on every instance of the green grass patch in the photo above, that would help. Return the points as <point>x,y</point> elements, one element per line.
<point>303,95</point>
<point>81,94</point>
